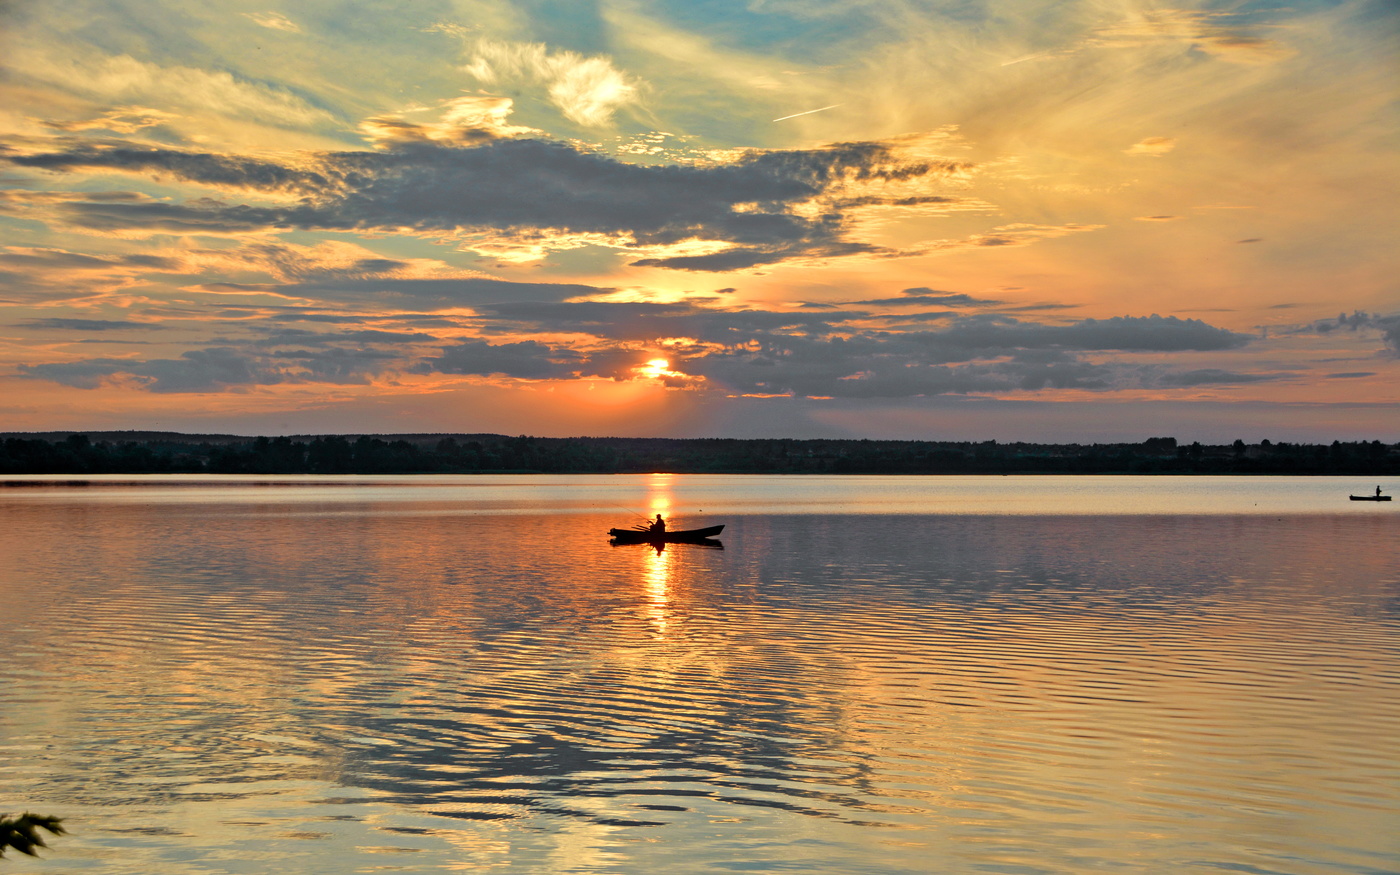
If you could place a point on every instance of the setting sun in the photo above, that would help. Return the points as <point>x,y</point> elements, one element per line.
<point>655,369</point>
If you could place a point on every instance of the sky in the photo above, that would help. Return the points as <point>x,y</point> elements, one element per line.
<point>1037,220</point>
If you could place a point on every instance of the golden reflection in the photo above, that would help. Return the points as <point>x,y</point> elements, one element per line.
<point>658,579</point>
<point>658,571</point>
<point>660,500</point>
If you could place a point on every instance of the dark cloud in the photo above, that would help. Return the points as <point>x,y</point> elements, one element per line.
<point>527,359</point>
<point>929,316</point>
<point>1388,326</point>
<point>313,338</point>
<point>1126,333</point>
<point>864,368</point>
<point>519,187</point>
<point>929,297</point>
<point>820,244</point>
<point>470,291</point>
<point>43,274</point>
<point>58,259</point>
<point>204,370</point>
<point>338,365</point>
<point>648,321</point>
<point>306,356</point>
<point>61,324</point>
<point>825,353</point>
<point>202,216</point>
<point>1212,376</point>
<point>230,171</point>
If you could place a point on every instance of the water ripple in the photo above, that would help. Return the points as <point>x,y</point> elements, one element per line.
<point>830,693</point>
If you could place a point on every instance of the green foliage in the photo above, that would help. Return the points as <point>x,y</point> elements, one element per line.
<point>22,833</point>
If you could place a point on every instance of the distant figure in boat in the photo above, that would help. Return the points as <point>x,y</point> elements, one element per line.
<point>658,525</point>
<point>1378,495</point>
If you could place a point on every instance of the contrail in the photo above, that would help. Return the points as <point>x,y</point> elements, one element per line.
<point>808,112</point>
<point>1026,58</point>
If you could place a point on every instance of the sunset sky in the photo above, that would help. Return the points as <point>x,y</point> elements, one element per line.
<point>1052,220</point>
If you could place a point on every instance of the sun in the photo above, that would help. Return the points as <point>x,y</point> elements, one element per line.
<point>660,369</point>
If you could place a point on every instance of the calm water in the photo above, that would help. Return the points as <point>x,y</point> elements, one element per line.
<point>875,675</point>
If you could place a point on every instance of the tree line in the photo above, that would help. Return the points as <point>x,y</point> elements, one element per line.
<point>148,453</point>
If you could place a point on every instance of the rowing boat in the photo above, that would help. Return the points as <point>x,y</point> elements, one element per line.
<point>687,536</point>
<point>1370,498</point>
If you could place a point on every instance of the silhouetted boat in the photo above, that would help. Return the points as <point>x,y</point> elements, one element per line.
<point>1370,498</point>
<point>687,536</point>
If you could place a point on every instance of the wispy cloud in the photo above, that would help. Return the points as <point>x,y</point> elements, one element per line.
<point>1229,36</point>
<point>1153,147</point>
<point>465,121</point>
<point>126,79</point>
<point>587,90</point>
<point>273,21</point>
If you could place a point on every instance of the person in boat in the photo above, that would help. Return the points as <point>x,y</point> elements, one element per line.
<point>1378,495</point>
<point>658,526</point>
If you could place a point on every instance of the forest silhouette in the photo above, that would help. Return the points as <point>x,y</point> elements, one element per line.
<point>159,453</point>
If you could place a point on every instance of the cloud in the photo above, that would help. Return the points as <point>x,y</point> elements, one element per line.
<point>1358,320</point>
<point>926,297</point>
<point>202,370</point>
<point>1152,147</point>
<point>1128,333</point>
<point>646,322</point>
<point>526,360</point>
<point>466,121</point>
<point>37,274</point>
<point>273,21</point>
<point>1210,377</point>
<point>1219,34</point>
<point>79,69</point>
<point>871,367</point>
<point>335,365</point>
<point>588,91</point>
<point>205,216</point>
<point>205,168</point>
<point>63,324</point>
<point>1018,234</point>
<point>826,353</point>
<point>303,337</point>
<point>123,120</point>
<point>441,292</point>
<point>759,207</point>
<point>37,259</point>
<point>226,368</point>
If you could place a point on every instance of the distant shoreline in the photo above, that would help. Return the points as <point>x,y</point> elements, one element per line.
<point>76,454</point>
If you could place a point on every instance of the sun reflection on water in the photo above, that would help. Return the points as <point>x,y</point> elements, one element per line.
<point>658,580</point>
<point>659,564</point>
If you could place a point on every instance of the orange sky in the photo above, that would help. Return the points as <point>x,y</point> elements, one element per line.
<point>1034,220</point>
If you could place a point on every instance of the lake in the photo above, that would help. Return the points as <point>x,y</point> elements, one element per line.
<point>875,675</point>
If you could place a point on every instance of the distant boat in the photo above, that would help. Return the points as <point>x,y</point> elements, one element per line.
<point>687,536</point>
<point>1376,497</point>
